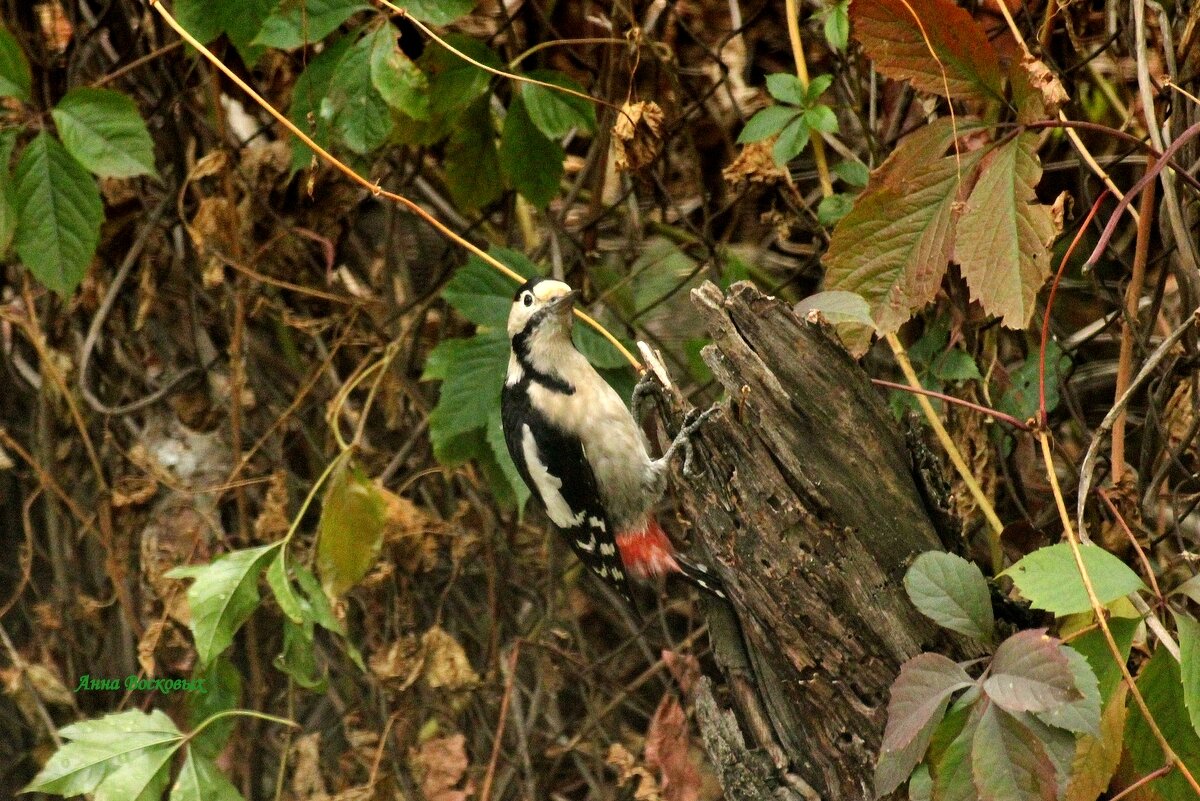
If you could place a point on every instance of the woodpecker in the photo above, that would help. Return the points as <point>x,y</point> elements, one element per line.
<point>580,451</point>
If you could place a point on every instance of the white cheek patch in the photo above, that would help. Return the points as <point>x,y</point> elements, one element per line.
<point>548,486</point>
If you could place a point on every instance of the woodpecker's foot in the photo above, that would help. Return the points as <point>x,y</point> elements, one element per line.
<point>647,387</point>
<point>683,440</point>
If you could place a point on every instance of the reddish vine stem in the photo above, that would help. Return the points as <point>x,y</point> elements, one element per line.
<point>1133,293</point>
<point>1043,419</point>
<point>1142,782</point>
<point>1001,416</point>
<point>1151,174</point>
<point>1116,513</point>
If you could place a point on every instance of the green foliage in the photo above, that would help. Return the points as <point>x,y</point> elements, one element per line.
<point>201,780</point>
<point>937,365</point>
<point>1012,734</point>
<point>438,12</point>
<point>1049,579</point>
<point>120,757</point>
<point>15,76</point>
<point>240,20</point>
<point>103,130</point>
<point>532,161</point>
<point>1021,398</point>
<point>472,160</point>
<point>8,202</point>
<point>58,214</point>
<point>293,24</point>
<point>556,114</point>
<point>1189,665</point>
<point>951,592</point>
<point>361,117</point>
<point>836,16</point>
<point>396,77</point>
<point>795,119</point>
<point>1159,683</point>
<point>222,597</point>
<point>1093,647</point>
<point>349,536</point>
<point>849,314</point>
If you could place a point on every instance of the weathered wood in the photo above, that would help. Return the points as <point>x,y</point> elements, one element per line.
<point>809,508</point>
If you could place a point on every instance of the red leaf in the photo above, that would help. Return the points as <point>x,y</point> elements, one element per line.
<point>897,44</point>
<point>1030,674</point>
<point>667,752</point>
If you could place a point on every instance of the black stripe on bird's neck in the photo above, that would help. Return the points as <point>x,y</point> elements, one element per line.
<point>520,347</point>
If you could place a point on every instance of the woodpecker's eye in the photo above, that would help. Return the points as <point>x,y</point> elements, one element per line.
<point>527,299</point>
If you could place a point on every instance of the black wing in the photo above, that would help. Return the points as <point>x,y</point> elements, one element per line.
<point>563,481</point>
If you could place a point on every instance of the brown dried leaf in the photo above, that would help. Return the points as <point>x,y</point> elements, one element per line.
<point>56,26</point>
<point>628,770</point>
<point>637,135</point>
<point>307,782</point>
<point>684,668</point>
<point>755,165</point>
<point>272,522</point>
<point>1045,83</point>
<point>148,644</point>
<point>446,663</point>
<point>441,763</point>
<point>402,660</point>
<point>667,752</point>
<point>131,490</point>
<point>415,532</point>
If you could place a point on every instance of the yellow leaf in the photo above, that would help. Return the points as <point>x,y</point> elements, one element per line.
<point>351,529</point>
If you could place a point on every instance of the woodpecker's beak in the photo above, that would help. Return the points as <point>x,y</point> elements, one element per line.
<point>558,297</point>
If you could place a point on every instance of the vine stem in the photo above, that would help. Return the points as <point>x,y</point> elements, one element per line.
<point>245,713</point>
<point>792,11</point>
<point>374,188</point>
<point>956,457</point>
<point>1001,416</point>
<point>1062,266</point>
<point>1133,293</point>
<point>1098,610</point>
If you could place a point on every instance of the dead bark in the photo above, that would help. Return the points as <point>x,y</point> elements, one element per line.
<point>810,511</point>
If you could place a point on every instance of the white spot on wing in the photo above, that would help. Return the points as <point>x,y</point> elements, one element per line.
<point>596,522</point>
<point>548,486</point>
<point>607,549</point>
<point>589,544</point>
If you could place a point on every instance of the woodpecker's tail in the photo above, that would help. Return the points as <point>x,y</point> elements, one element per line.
<point>700,575</point>
<point>648,553</point>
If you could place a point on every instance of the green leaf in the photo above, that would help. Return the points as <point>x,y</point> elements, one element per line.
<point>481,293</point>
<point>962,63</point>
<point>821,118</point>
<point>1008,763</point>
<point>951,592</point>
<point>472,162</point>
<point>291,604</point>
<point>854,173</point>
<point>58,214</point>
<point>1189,665</point>
<point>837,24</point>
<point>103,130</point>
<point>849,314</point>
<point>15,78</point>
<point>817,87</point>
<point>920,696</point>
<point>786,88</point>
<point>1030,673</point>
<point>1159,682</point>
<point>298,658</point>
<point>438,12</point>
<point>792,140</point>
<point>894,246</point>
<point>361,117</point>
<point>293,23</point>
<point>920,785</point>
<point>508,469</point>
<point>8,200</point>
<point>472,373</point>
<point>397,78</point>
<point>309,90</point>
<point>1021,398</point>
<point>767,122</point>
<point>1081,716</point>
<point>1004,236</point>
<point>1050,580</point>
<point>143,778</point>
<point>1094,647</point>
<point>350,531</point>
<point>598,350</point>
<point>222,692</point>
<point>952,771</point>
<point>240,19</point>
<point>455,84</point>
<point>100,747</point>
<point>955,365</point>
<point>531,161</point>
<point>222,597</point>
<point>830,210</point>
<point>201,780</point>
<point>556,113</point>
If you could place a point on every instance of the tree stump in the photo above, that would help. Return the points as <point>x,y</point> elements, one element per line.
<point>809,508</point>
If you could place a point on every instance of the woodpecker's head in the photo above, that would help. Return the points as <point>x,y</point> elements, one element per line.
<point>541,308</point>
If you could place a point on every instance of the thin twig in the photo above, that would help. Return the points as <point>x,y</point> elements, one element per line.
<point>792,12</point>
<point>1001,416</point>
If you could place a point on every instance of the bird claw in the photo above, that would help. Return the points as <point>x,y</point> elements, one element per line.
<point>647,386</point>
<point>691,424</point>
